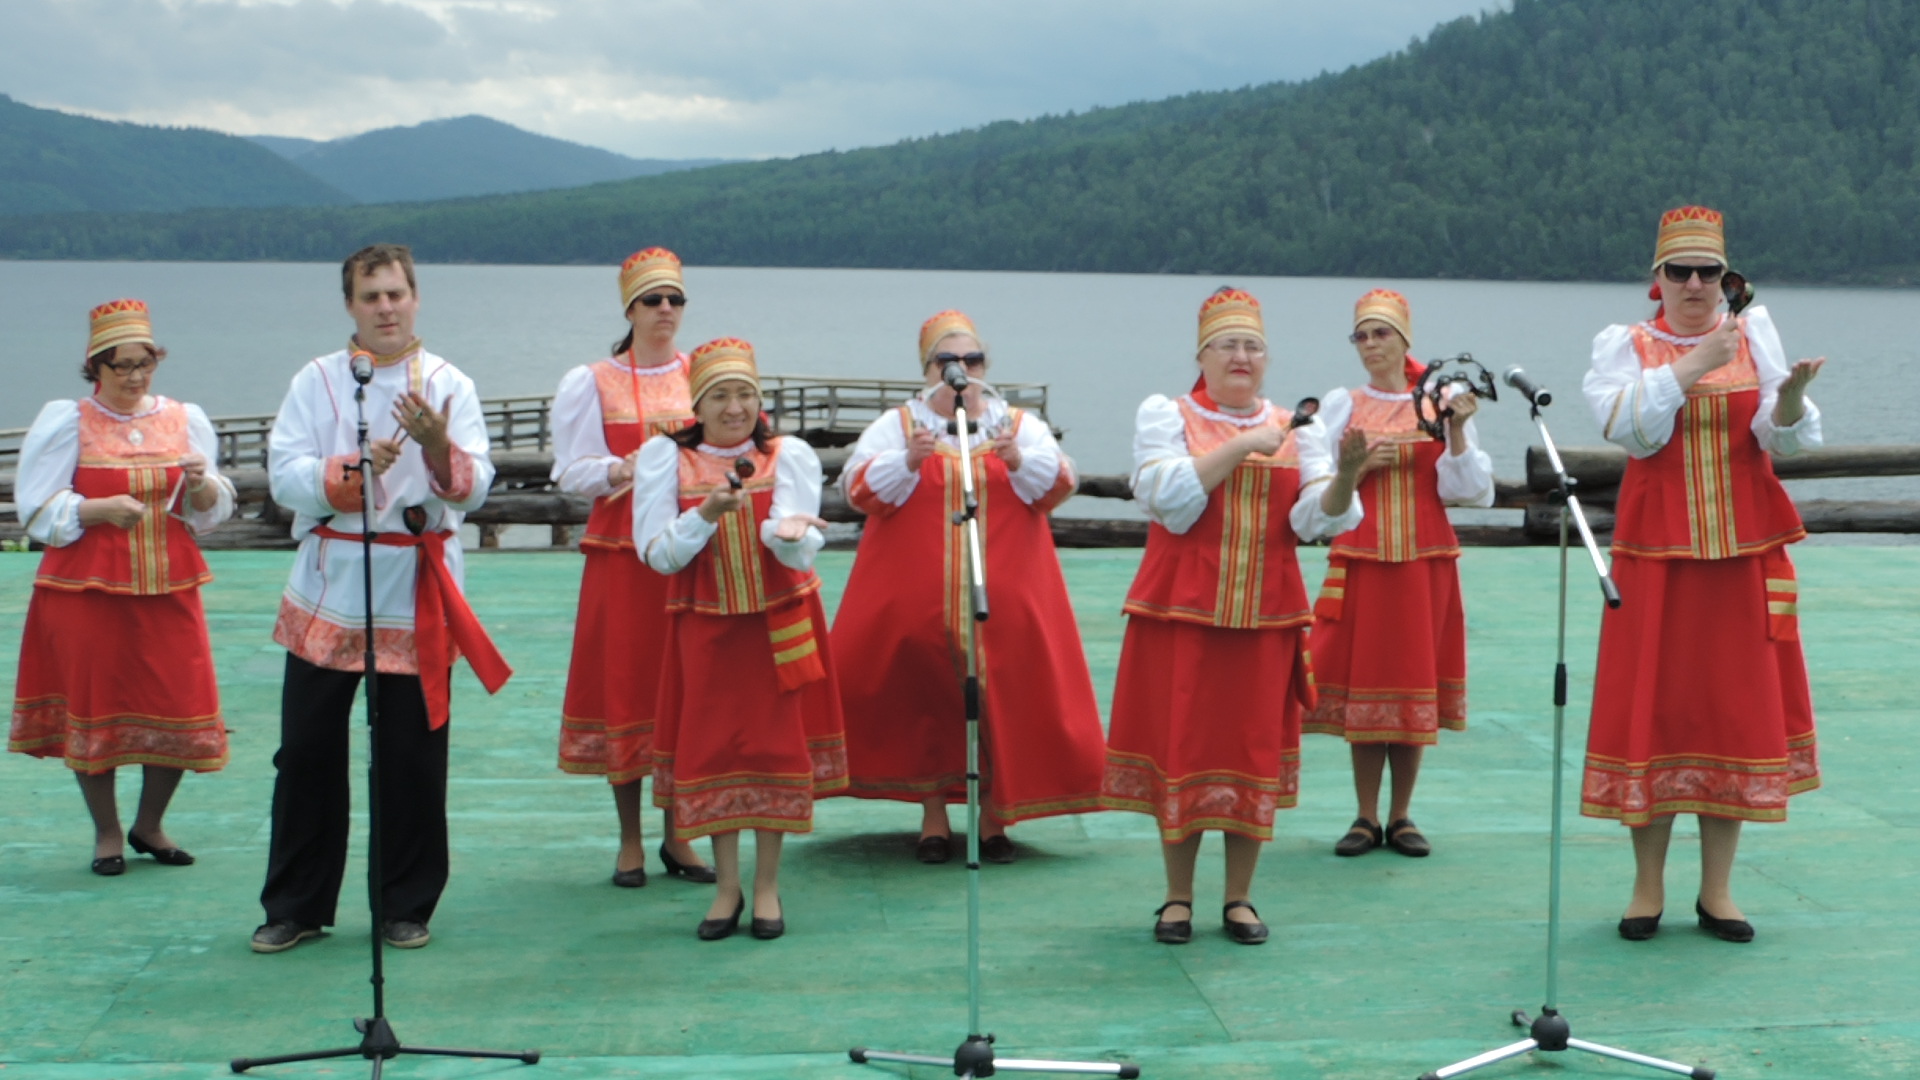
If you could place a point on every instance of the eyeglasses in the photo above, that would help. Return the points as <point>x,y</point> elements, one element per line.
<point>653,299</point>
<point>1230,346</point>
<point>1378,333</point>
<point>1678,274</point>
<point>132,367</point>
<point>972,359</point>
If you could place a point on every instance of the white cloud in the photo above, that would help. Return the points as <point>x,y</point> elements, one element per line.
<point>669,78</point>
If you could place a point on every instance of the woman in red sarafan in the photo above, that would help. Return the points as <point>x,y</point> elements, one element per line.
<point>1389,631</point>
<point>115,664</point>
<point>901,618</point>
<point>1205,729</point>
<point>750,731</point>
<point>1700,701</point>
<point>601,415</point>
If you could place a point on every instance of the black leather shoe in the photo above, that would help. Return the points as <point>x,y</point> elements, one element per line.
<point>768,929</point>
<point>1739,931</point>
<point>282,934</point>
<point>934,850</point>
<point>997,849</point>
<point>715,929</point>
<point>1362,836</point>
<point>1245,933</point>
<point>635,878</point>
<point>1173,933</point>
<point>698,874</point>
<point>1640,927</point>
<point>1404,837</point>
<point>406,934</point>
<point>111,866</point>
<point>166,856</point>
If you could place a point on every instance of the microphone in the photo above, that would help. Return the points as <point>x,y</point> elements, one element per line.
<point>954,374</point>
<point>362,362</point>
<point>1536,394</point>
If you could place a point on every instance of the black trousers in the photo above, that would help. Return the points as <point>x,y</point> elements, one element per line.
<point>308,856</point>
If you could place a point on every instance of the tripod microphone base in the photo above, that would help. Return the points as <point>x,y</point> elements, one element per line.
<point>1550,1032</point>
<point>974,1058</point>
<point>378,1044</point>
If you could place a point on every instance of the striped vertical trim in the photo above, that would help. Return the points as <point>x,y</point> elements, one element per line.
<point>1783,595</point>
<point>1243,535</point>
<point>736,563</point>
<point>1395,505</point>
<point>1709,472</point>
<point>1333,590</point>
<point>147,540</point>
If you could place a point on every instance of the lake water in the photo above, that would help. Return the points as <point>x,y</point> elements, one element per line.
<point>238,331</point>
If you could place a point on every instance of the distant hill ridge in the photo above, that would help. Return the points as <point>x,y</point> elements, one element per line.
<point>1535,143</point>
<point>463,156</point>
<point>53,161</point>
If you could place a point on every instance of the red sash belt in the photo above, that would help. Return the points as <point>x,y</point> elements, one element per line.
<point>440,616</point>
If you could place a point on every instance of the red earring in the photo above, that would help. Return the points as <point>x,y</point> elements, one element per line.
<point>1653,291</point>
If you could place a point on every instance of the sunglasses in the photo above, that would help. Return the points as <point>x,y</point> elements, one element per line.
<point>653,299</point>
<point>972,359</point>
<point>1678,274</point>
<point>1378,333</point>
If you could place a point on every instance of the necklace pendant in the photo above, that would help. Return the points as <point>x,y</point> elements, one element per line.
<point>136,437</point>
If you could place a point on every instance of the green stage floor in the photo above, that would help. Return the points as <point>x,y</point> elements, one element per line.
<point>1380,967</point>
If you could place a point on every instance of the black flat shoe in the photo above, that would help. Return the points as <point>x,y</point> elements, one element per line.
<point>715,929</point>
<point>166,856</point>
<point>635,878</point>
<point>997,849</point>
<point>111,866</point>
<point>1245,933</point>
<point>699,874</point>
<point>1173,933</point>
<point>1404,837</point>
<point>768,929</point>
<point>1640,927</point>
<point>1739,931</point>
<point>934,850</point>
<point>1362,836</point>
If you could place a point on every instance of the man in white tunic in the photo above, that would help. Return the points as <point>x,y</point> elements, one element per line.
<point>428,442</point>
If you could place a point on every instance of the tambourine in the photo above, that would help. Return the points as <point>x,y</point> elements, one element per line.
<point>1737,291</point>
<point>1430,392</point>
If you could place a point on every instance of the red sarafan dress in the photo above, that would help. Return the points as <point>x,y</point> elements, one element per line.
<point>115,663</point>
<point>1701,703</point>
<point>750,729</point>
<point>1390,633</point>
<point>1214,673</point>
<point>900,633</point>
<point>603,412</point>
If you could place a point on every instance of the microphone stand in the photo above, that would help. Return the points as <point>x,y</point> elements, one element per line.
<point>975,1057</point>
<point>378,1043</point>
<point>1550,1031</point>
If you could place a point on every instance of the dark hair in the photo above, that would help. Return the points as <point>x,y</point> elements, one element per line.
<point>694,434</point>
<point>623,344</point>
<point>373,257</point>
<point>90,368</point>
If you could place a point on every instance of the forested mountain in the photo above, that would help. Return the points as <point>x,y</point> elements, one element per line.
<point>467,155</point>
<point>53,161</point>
<point>1540,142</point>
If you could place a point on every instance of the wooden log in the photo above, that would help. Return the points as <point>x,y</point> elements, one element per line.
<point>1097,533</point>
<point>1106,487</point>
<point>1860,516</point>
<point>531,508</point>
<point>1603,466</point>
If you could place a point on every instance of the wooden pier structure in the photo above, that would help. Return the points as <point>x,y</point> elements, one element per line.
<point>831,412</point>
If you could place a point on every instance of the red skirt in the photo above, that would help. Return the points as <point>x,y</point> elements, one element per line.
<point>732,750</point>
<point>1205,730</point>
<point>1700,701</point>
<point>109,680</point>
<point>1390,658</point>
<point>613,680</point>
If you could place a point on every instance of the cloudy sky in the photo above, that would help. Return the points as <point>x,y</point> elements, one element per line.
<point>670,78</point>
